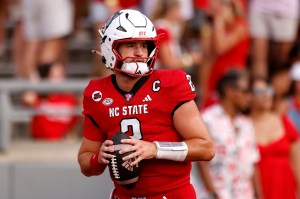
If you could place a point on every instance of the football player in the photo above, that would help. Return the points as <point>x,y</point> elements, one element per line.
<point>155,107</point>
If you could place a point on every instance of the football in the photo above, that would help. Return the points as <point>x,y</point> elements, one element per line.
<point>121,171</point>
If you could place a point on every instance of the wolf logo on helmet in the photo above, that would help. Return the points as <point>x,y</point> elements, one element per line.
<point>125,26</point>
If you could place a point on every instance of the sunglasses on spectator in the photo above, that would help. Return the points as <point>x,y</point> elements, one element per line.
<point>258,92</point>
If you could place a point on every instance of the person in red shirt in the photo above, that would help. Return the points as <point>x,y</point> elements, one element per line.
<point>151,106</point>
<point>278,143</point>
<point>227,35</point>
<point>48,125</point>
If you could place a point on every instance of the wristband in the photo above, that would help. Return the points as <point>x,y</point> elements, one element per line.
<point>176,151</point>
<point>94,161</point>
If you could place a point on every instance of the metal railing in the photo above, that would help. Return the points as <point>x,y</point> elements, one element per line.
<point>11,112</point>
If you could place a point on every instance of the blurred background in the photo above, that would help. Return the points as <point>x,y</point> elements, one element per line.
<point>46,61</point>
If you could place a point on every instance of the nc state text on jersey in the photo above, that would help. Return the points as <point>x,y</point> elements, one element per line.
<point>128,110</point>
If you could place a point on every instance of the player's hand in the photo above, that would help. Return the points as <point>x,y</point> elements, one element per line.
<point>142,150</point>
<point>107,146</point>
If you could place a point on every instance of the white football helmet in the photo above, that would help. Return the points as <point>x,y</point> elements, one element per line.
<point>123,26</point>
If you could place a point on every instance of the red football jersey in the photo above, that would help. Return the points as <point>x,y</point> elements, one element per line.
<point>145,113</point>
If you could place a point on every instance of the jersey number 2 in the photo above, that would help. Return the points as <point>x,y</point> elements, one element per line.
<point>189,78</point>
<point>135,125</point>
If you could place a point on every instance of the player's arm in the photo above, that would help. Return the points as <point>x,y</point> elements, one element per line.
<point>92,156</point>
<point>196,145</point>
<point>87,150</point>
<point>195,135</point>
<point>93,150</point>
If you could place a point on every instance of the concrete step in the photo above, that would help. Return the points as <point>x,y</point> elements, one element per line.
<point>41,169</point>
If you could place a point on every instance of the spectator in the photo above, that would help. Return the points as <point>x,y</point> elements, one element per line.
<point>168,21</point>
<point>229,175</point>
<point>227,40</point>
<point>45,126</point>
<point>267,20</point>
<point>278,143</point>
<point>46,25</point>
<point>294,95</point>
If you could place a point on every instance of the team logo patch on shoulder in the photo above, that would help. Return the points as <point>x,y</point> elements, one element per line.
<point>107,101</point>
<point>97,96</point>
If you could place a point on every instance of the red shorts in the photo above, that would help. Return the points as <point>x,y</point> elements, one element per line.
<point>185,192</point>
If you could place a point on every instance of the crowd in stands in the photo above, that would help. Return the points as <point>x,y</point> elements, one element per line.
<point>208,39</point>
